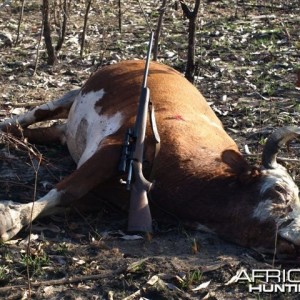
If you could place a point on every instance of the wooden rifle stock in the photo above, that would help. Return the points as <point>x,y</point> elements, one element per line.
<point>139,212</point>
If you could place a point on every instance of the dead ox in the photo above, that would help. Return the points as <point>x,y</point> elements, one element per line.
<point>200,175</point>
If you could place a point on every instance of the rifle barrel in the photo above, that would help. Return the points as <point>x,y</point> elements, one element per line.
<point>148,61</point>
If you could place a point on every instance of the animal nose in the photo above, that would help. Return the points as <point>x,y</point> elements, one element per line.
<point>286,249</point>
<point>289,229</point>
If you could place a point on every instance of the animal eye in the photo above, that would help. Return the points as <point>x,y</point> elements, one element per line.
<point>279,189</point>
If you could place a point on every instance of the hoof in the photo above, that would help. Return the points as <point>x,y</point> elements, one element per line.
<point>13,217</point>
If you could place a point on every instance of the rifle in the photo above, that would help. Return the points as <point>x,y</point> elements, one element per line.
<point>132,160</point>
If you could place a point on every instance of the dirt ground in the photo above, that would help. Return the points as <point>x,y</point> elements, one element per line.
<point>247,63</point>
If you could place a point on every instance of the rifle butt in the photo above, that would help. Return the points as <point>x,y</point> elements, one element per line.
<point>140,219</point>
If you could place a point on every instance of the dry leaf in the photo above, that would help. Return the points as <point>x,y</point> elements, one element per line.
<point>235,277</point>
<point>202,286</point>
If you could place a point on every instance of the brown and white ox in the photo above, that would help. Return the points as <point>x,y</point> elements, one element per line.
<point>200,175</point>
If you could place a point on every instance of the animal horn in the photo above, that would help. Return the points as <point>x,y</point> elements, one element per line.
<point>275,141</point>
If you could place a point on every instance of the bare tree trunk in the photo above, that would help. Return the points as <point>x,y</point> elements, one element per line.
<point>120,15</point>
<point>298,79</point>
<point>63,26</point>
<point>88,6</point>
<point>20,21</point>
<point>192,16</point>
<point>236,8</point>
<point>145,15</point>
<point>158,28</point>
<point>38,49</point>
<point>52,59</point>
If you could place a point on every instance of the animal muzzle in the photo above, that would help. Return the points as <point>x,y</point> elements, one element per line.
<point>288,236</point>
<point>290,230</point>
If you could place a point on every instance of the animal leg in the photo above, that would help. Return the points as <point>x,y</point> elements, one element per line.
<point>96,170</point>
<point>42,135</point>
<point>14,216</point>
<point>57,109</point>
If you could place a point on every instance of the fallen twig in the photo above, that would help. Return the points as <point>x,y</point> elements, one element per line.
<point>17,142</point>
<point>58,281</point>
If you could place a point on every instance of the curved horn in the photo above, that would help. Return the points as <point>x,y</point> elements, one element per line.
<point>276,140</point>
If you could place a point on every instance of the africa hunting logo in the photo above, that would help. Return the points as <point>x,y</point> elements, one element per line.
<point>269,280</point>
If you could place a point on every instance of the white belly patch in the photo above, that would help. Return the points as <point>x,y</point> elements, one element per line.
<point>86,127</point>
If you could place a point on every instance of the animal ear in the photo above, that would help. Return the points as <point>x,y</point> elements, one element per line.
<point>239,166</point>
<point>235,161</point>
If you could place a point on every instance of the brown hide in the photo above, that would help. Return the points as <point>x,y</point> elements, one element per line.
<point>192,181</point>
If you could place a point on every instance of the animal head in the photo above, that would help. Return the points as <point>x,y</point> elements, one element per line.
<point>271,211</point>
<point>278,192</point>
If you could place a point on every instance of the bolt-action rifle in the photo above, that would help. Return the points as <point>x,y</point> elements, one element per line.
<point>132,161</point>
